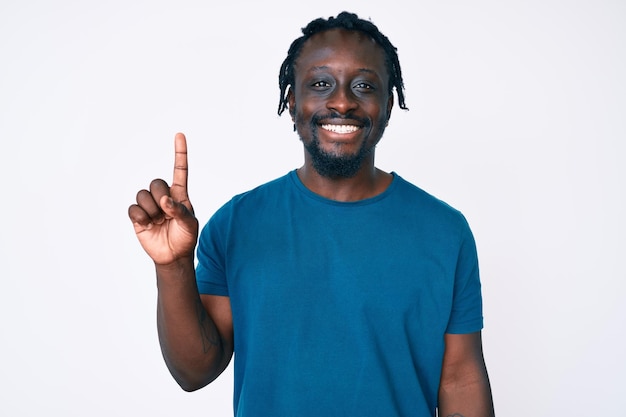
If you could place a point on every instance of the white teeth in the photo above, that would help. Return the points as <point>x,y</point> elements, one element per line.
<point>341,128</point>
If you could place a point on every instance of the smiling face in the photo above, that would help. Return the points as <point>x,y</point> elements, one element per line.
<point>340,101</point>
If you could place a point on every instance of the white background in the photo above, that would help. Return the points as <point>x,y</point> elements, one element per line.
<point>517,118</point>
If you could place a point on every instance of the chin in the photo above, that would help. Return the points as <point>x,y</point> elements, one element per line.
<point>336,166</point>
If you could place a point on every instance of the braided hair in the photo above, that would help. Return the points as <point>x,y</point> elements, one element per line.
<point>348,21</point>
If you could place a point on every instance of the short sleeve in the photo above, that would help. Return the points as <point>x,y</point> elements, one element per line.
<point>210,268</point>
<point>467,309</point>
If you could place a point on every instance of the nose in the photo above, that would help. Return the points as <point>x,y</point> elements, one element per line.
<point>342,100</point>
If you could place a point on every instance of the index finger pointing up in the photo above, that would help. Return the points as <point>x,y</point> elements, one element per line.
<point>178,189</point>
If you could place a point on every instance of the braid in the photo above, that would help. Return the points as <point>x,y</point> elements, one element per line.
<point>348,21</point>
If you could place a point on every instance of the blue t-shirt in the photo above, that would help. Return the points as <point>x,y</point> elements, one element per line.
<point>340,308</point>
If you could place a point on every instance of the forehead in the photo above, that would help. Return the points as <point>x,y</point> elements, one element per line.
<point>340,47</point>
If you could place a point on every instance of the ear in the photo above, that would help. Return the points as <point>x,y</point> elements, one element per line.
<point>291,100</point>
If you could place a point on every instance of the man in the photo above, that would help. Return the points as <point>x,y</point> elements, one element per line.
<point>344,290</point>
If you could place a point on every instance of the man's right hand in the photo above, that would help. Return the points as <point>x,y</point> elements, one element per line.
<point>163,217</point>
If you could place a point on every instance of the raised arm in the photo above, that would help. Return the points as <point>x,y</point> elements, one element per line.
<point>464,390</point>
<point>195,332</point>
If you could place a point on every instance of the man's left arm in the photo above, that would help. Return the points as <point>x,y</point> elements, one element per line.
<point>464,390</point>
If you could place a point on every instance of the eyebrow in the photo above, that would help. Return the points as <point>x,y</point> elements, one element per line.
<point>325,67</point>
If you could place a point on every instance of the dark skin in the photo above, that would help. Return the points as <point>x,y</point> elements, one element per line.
<point>195,331</point>
<point>341,76</point>
<point>354,86</point>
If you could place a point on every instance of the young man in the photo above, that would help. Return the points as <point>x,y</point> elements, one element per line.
<point>344,290</point>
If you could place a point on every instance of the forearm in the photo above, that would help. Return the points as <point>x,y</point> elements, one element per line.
<point>190,342</point>
<point>466,396</point>
<point>464,389</point>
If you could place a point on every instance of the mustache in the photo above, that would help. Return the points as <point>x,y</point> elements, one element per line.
<point>316,119</point>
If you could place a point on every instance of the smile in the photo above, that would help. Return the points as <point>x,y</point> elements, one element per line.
<point>341,129</point>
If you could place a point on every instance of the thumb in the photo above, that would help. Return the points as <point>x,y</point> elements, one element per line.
<point>173,209</point>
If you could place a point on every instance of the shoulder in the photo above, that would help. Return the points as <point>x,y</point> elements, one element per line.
<point>254,198</point>
<point>416,200</point>
<point>278,185</point>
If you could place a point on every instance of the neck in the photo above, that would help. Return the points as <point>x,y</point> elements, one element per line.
<point>368,182</point>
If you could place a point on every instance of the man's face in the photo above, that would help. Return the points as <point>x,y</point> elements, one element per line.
<point>340,101</point>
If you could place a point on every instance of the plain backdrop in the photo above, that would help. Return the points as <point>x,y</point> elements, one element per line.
<point>517,118</point>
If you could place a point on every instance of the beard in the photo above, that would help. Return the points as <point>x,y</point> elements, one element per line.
<point>336,166</point>
<point>332,165</point>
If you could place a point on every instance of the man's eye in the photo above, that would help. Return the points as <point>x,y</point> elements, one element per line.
<point>321,84</point>
<point>364,86</point>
